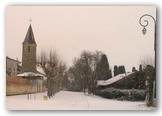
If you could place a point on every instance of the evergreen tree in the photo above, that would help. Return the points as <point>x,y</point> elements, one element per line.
<point>121,69</point>
<point>140,68</point>
<point>105,72</point>
<point>139,78</point>
<point>133,69</point>
<point>110,74</point>
<point>65,82</point>
<point>115,70</point>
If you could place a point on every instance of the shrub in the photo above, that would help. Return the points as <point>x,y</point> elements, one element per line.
<point>108,93</point>
<point>122,94</point>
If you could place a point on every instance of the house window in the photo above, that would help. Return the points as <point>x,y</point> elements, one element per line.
<point>28,48</point>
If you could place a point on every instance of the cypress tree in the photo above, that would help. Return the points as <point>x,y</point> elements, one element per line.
<point>140,68</point>
<point>133,69</point>
<point>116,70</point>
<point>123,69</point>
<point>105,71</point>
<point>119,70</point>
<point>110,74</point>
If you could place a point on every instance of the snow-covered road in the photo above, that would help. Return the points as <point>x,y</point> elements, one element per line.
<point>70,101</point>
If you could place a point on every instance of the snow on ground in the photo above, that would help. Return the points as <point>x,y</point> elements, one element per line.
<point>65,100</point>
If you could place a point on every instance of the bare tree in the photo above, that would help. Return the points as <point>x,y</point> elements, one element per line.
<point>97,55</point>
<point>84,72</point>
<point>150,73</point>
<point>87,63</point>
<point>147,60</point>
<point>53,68</point>
<point>148,64</point>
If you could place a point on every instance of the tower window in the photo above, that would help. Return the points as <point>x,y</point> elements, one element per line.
<point>28,48</point>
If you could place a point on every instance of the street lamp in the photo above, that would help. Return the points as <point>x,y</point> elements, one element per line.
<point>144,31</point>
<point>144,23</point>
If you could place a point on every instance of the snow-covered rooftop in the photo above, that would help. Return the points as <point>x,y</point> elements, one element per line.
<point>113,79</point>
<point>27,74</point>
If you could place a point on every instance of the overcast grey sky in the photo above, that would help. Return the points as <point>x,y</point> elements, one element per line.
<point>114,30</point>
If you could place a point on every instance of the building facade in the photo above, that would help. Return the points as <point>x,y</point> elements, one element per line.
<point>12,67</point>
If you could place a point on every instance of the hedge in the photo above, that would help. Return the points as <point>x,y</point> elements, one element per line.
<point>122,94</point>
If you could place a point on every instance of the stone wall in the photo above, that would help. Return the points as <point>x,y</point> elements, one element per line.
<point>12,89</point>
<point>17,80</point>
<point>15,85</point>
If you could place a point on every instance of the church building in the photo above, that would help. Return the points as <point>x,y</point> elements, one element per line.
<point>29,69</point>
<point>29,52</point>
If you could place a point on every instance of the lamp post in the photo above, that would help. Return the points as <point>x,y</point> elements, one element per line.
<point>144,23</point>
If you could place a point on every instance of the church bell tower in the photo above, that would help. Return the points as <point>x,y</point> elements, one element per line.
<point>29,52</point>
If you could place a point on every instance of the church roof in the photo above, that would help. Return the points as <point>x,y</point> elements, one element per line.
<point>29,36</point>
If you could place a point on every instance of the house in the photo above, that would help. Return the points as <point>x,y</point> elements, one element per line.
<point>122,81</point>
<point>12,67</point>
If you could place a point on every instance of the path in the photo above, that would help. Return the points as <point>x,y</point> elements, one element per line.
<point>70,101</point>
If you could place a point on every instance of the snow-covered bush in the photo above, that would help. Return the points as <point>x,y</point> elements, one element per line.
<point>98,92</point>
<point>108,93</point>
<point>122,94</point>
